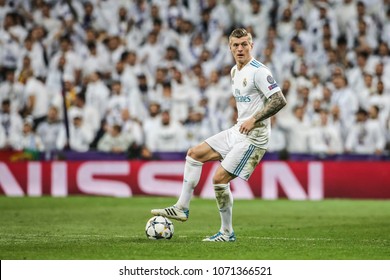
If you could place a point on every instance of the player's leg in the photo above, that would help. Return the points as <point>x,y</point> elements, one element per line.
<point>196,156</point>
<point>192,171</point>
<point>239,162</point>
<point>224,198</point>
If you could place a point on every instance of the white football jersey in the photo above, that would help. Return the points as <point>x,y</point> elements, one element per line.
<point>251,87</point>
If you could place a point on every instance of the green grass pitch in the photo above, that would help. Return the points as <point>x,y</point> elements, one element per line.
<point>113,229</point>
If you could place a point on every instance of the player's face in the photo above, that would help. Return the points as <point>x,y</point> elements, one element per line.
<point>241,50</point>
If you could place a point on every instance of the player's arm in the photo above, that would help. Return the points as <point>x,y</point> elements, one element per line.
<point>275,103</point>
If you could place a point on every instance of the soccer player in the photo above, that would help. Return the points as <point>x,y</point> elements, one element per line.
<point>239,148</point>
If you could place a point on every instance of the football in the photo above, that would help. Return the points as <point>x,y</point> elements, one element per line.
<point>159,227</point>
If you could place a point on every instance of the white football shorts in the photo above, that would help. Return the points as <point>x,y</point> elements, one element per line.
<point>239,156</point>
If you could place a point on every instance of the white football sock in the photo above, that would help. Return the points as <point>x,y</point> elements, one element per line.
<point>224,199</point>
<point>192,172</point>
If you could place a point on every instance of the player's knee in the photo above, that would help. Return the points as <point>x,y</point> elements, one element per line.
<point>219,178</point>
<point>194,153</point>
<point>191,153</point>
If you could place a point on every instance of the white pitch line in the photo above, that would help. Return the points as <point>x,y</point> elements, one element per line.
<point>293,238</point>
<point>39,236</point>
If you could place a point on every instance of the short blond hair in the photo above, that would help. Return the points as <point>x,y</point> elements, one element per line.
<point>240,32</point>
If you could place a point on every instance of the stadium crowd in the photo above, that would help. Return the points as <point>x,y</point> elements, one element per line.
<point>139,77</point>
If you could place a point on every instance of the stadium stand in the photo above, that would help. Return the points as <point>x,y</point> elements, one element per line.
<point>79,75</point>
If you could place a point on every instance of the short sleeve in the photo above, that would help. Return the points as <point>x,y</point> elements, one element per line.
<point>265,82</point>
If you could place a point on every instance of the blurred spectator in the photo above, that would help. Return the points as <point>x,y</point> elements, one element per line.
<point>154,117</point>
<point>140,96</point>
<point>11,122</point>
<point>277,142</point>
<point>44,16</point>
<point>97,94</point>
<point>221,14</point>
<point>91,117</point>
<point>217,96</point>
<point>366,135</point>
<point>211,28</point>
<point>316,88</point>
<point>27,140</point>
<point>126,28</point>
<point>362,30</point>
<point>297,132</point>
<point>381,100</point>
<point>66,59</point>
<point>4,9</point>
<point>123,74</point>
<point>285,25</point>
<point>227,117</point>
<point>313,113</point>
<point>167,135</point>
<point>49,129</point>
<point>181,96</point>
<point>116,103</point>
<point>115,141</point>
<point>56,74</point>
<point>38,98</point>
<point>345,11</point>
<point>80,135</point>
<point>96,60</point>
<point>133,68</point>
<point>325,138</point>
<point>345,99</point>
<point>91,17</point>
<point>259,12</point>
<point>115,49</point>
<point>365,91</point>
<point>355,74</point>
<point>151,52</point>
<point>197,127</point>
<point>165,96</point>
<point>35,52</point>
<point>131,127</point>
<point>12,90</point>
<point>70,92</point>
<point>11,36</point>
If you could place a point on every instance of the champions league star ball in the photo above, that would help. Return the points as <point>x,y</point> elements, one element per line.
<point>159,227</point>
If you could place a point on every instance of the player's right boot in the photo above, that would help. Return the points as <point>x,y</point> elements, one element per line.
<point>172,212</point>
<point>221,237</point>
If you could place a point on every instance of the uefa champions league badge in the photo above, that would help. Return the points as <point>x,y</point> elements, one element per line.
<point>272,82</point>
<point>244,82</point>
<point>270,79</point>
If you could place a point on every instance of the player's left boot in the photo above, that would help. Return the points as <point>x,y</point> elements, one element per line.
<point>172,212</point>
<point>221,237</point>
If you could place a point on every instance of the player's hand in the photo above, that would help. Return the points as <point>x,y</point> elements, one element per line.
<point>247,126</point>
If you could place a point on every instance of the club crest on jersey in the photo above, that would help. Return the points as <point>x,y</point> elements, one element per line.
<point>244,82</point>
<point>270,79</point>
